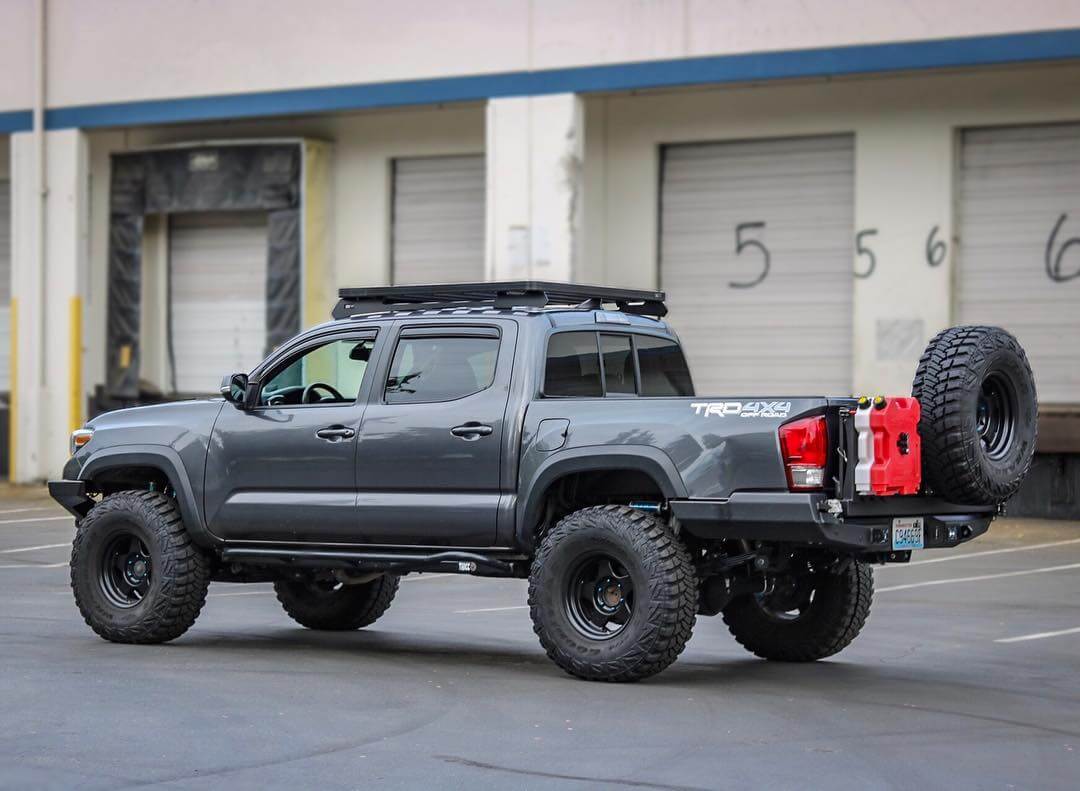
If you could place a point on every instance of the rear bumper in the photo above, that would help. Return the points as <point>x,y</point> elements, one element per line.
<point>72,495</point>
<point>805,519</point>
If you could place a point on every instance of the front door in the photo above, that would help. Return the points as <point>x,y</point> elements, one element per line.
<point>430,452</point>
<point>285,469</point>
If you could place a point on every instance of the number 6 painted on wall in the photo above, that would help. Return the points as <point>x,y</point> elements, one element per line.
<point>741,243</point>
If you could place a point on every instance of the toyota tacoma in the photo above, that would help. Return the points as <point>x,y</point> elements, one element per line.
<point>544,431</point>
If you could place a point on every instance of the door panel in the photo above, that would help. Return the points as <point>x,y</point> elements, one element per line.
<point>428,472</point>
<point>285,470</point>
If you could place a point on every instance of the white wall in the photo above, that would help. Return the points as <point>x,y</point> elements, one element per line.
<point>905,136</point>
<point>363,146</point>
<point>124,50</point>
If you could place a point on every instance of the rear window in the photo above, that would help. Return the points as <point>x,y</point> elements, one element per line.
<point>593,364</point>
<point>663,367</point>
<point>573,365</point>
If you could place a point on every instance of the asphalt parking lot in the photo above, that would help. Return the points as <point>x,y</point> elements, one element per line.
<point>967,676</point>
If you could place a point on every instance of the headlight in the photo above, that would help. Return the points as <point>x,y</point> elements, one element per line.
<point>80,437</point>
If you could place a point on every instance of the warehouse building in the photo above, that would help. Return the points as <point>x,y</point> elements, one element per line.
<point>819,187</point>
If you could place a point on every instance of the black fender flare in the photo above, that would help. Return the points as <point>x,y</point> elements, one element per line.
<point>168,461</point>
<point>641,458</point>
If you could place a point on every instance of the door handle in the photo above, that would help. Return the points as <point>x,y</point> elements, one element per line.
<point>470,431</point>
<point>335,433</point>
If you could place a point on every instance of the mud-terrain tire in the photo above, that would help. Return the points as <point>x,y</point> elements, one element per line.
<point>832,619</point>
<point>979,414</point>
<point>336,608</point>
<point>136,575</point>
<point>624,621</point>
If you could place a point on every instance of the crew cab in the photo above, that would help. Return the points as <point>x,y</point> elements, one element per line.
<point>545,431</point>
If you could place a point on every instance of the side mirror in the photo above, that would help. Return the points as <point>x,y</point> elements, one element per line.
<point>234,389</point>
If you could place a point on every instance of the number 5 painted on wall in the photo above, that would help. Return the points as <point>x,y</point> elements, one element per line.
<point>741,243</point>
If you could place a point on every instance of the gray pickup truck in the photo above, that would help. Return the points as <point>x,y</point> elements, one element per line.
<point>543,431</point>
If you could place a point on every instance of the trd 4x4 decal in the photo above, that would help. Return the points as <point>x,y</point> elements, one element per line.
<point>742,409</point>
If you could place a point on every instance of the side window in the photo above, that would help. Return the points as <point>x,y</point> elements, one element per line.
<point>618,364</point>
<point>427,369</point>
<point>663,367</point>
<point>573,365</point>
<point>328,374</point>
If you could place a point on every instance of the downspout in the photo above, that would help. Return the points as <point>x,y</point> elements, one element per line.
<point>43,189</point>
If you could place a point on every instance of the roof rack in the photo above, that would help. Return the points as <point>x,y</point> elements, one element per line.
<point>505,294</point>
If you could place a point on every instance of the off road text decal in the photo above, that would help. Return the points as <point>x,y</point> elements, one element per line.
<point>742,409</point>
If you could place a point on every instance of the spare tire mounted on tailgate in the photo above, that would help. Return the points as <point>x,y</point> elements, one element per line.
<point>979,414</point>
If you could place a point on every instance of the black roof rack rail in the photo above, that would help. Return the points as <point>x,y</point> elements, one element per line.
<point>504,294</point>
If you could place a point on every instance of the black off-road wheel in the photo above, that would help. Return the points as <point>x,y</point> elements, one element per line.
<point>804,618</point>
<point>325,605</point>
<point>979,415</point>
<point>613,594</point>
<point>136,575</point>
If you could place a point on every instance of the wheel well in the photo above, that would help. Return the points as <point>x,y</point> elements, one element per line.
<point>118,479</point>
<point>578,490</point>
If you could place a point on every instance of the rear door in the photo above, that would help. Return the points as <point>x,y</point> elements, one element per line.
<point>285,470</point>
<point>430,452</point>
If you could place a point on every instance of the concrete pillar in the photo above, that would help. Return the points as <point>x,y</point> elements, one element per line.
<point>535,151</point>
<point>49,242</point>
<point>904,217</point>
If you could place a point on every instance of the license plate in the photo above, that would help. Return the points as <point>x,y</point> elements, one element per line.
<point>907,533</point>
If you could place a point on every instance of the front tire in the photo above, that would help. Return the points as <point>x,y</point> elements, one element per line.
<point>613,594</point>
<point>136,575</point>
<point>335,607</point>
<point>804,618</point>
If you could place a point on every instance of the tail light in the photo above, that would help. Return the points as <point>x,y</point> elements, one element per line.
<point>804,445</point>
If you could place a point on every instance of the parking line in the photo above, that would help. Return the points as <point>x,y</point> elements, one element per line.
<point>428,577</point>
<point>966,555</point>
<point>39,519</point>
<point>5,566</point>
<point>1038,636</point>
<point>25,510</point>
<point>978,578</point>
<point>240,593</point>
<point>32,549</point>
<point>492,609</point>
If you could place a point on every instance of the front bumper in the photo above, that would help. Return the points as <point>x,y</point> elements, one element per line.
<point>796,518</point>
<point>72,495</point>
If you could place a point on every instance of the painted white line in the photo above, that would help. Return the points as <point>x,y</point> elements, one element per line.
<point>428,577</point>
<point>978,578</point>
<point>492,609</point>
<point>39,519</point>
<point>4,566</point>
<point>32,549</point>
<point>25,510</point>
<point>1038,636</point>
<point>966,555</point>
<point>241,593</point>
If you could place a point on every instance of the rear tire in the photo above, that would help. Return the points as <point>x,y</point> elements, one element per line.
<point>979,415</point>
<point>826,623</point>
<point>136,575</point>
<point>336,608</point>
<point>612,594</point>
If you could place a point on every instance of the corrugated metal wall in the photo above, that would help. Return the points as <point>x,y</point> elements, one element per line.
<point>1019,229</point>
<point>756,250</point>
<point>438,220</point>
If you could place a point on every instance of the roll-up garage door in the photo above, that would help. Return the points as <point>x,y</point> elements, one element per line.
<point>5,286</point>
<point>756,257</point>
<point>438,220</point>
<point>1019,260</point>
<point>217,264</point>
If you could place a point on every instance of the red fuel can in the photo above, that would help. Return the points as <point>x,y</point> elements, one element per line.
<point>890,453</point>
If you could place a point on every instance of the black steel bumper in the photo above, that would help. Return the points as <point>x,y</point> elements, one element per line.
<point>860,526</point>
<point>72,495</point>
